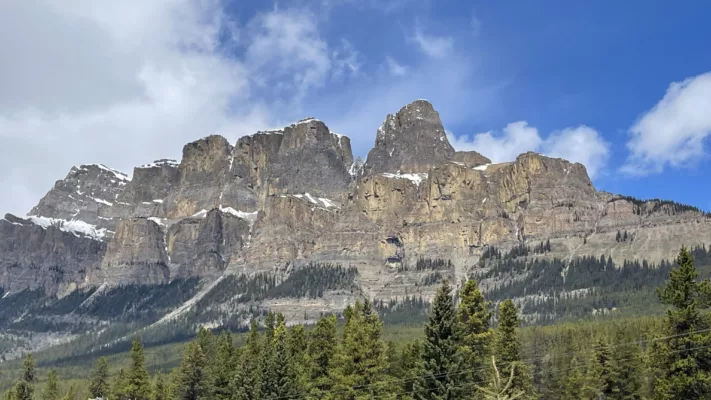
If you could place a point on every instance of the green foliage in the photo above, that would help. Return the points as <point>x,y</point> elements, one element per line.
<point>191,383</point>
<point>25,388</point>
<point>51,388</point>
<point>438,378</point>
<point>319,355</point>
<point>507,347</point>
<point>473,318</point>
<point>138,385</point>
<point>682,360</point>
<point>99,386</point>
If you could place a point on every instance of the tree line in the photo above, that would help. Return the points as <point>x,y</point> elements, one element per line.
<point>468,351</point>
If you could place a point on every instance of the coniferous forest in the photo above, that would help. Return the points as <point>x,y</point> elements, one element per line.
<point>468,349</point>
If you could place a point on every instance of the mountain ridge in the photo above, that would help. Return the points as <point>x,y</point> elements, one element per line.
<point>278,202</point>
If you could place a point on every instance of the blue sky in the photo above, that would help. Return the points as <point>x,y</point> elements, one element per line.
<point>623,87</point>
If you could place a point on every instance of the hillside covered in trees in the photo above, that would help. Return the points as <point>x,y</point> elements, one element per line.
<point>468,350</point>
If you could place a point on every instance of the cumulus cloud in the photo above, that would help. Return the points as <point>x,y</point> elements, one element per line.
<point>673,132</point>
<point>580,144</point>
<point>127,82</point>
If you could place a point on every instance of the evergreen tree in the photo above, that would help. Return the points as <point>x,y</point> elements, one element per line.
<point>473,317</point>
<point>508,351</point>
<point>297,344</point>
<point>602,369</point>
<point>578,384</point>
<point>626,370</point>
<point>10,394</point>
<point>683,360</point>
<point>119,386</point>
<point>223,367</point>
<point>51,389</point>
<point>246,383</point>
<point>280,379</point>
<point>411,366</point>
<point>498,388</point>
<point>25,388</point>
<point>191,381</point>
<point>160,389</point>
<point>360,360</point>
<point>71,394</point>
<point>440,377</point>
<point>320,351</point>
<point>138,386</point>
<point>99,385</point>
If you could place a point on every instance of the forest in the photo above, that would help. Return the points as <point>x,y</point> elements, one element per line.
<point>468,349</point>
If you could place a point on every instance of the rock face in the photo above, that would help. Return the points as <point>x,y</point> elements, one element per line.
<point>413,140</point>
<point>278,200</point>
<point>136,255</point>
<point>89,193</point>
<point>49,258</point>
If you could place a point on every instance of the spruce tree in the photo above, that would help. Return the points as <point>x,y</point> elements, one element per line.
<point>119,386</point>
<point>223,367</point>
<point>411,366</point>
<point>25,388</point>
<point>682,360</point>
<point>475,335</point>
<point>71,394</point>
<point>138,386</point>
<point>602,369</point>
<point>280,378</point>
<point>246,383</point>
<point>191,381</point>
<point>10,394</point>
<point>626,370</point>
<point>99,384</point>
<point>440,377</point>
<point>508,352</point>
<point>298,344</point>
<point>51,389</point>
<point>160,389</point>
<point>360,360</point>
<point>320,351</point>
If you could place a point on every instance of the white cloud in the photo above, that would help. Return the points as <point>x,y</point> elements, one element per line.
<point>580,144</point>
<point>433,46</point>
<point>673,132</point>
<point>394,67</point>
<point>127,82</point>
<point>516,138</point>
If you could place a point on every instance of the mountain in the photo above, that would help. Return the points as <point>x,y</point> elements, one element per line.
<point>288,220</point>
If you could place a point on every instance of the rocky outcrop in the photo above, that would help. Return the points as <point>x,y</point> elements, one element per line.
<point>284,198</point>
<point>470,158</point>
<point>135,255</point>
<point>53,258</point>
<point>203,246</point>
<point>89,193</point>
<point>411,141</point>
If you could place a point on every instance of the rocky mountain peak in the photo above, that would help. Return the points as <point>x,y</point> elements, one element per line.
<point>413,140</point>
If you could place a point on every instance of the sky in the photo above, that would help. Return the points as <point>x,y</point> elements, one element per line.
<point>621,87</point>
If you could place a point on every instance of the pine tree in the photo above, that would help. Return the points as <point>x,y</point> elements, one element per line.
<point>223,367</point>
<point>440,377</point>
<point>475,335</point>
<point>10,394</point>
<point>320,351</point>
<point>411,366</point>
<point>246,383</point>
<point>119,386</point>
<point>682,360</point>
<point>578,385</point>
<point>191,381</point>
<point>99,385</point>
<point>626,370</point>
<point>71,394</point>
<point>51,389</point>
<point>602,369</point>
<point>25,388</point>
<point>280,379</point>
<point>138,386</point>
<point>360,360</point>
<point>298,345</point>
<point>160,389</point>
<point>508,351</point>
<point>498,388</point>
